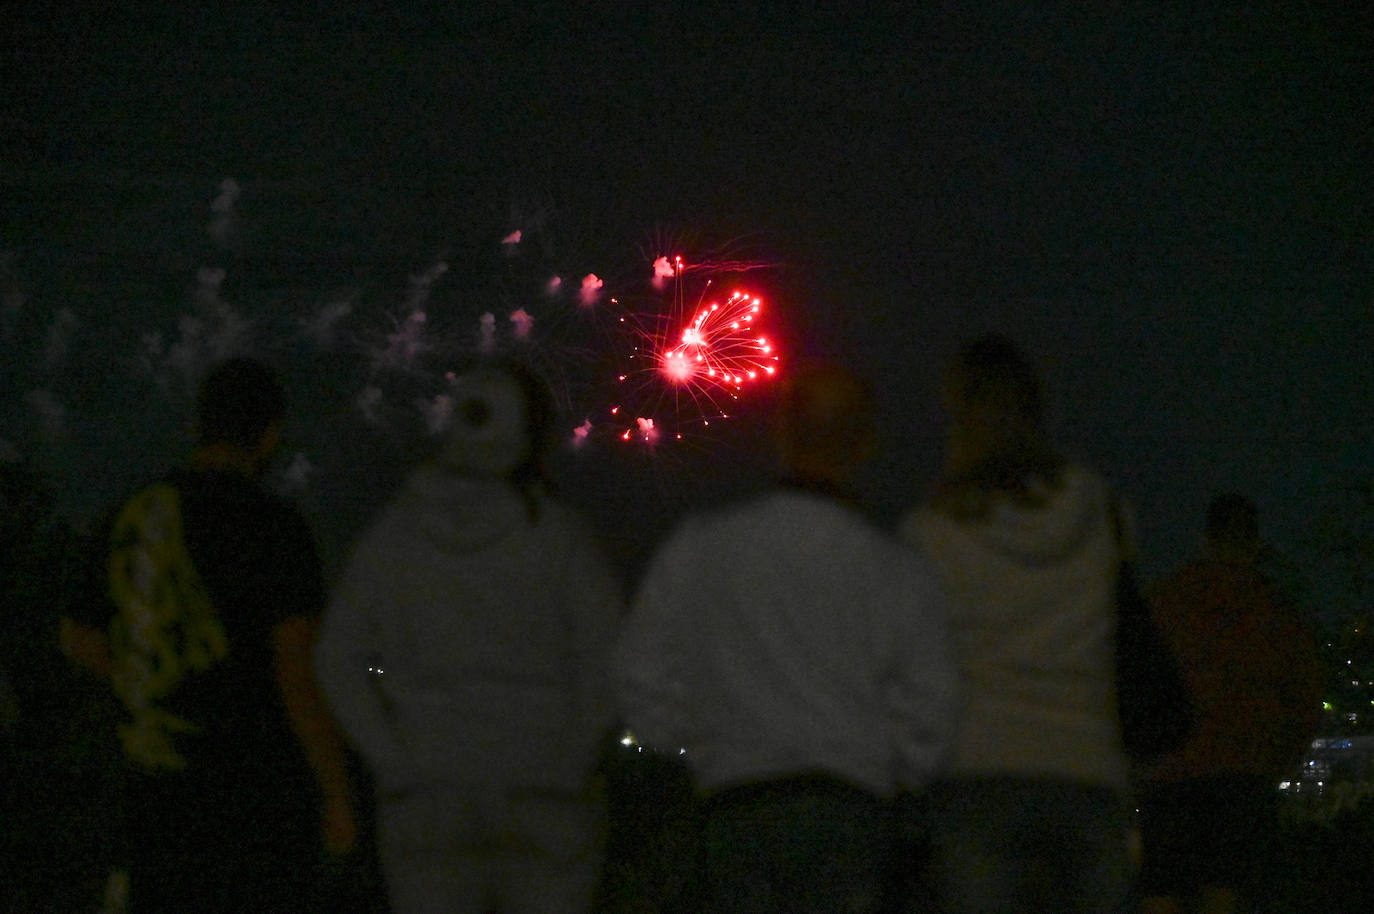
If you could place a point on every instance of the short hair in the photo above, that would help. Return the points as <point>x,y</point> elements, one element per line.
<point>991,372</point>
<point>239,400</point>
<point>1232,518</point>
<point>992,389</point>
<point>541,413</point>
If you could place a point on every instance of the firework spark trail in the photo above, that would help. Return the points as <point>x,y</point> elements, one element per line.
<point>369,402</point>
<point>522,322</point>
<point>591,289</point>
<point>721,346</point>
<point>705,355</point>
<point>486,332</point>
<point>726,266</point>
<point>687,363</point>
<point>664,270</point>
<point>406,344</point>
<point>319,327</point>
<point>212,331</point>
<point>579,435</point>
<point>645,429</point>
<point>411,340</point>
<point>224,219</point>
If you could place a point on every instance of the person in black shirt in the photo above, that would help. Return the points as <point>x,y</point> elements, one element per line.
<point>202,612</point>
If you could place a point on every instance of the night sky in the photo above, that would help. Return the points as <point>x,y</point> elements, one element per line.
<point>1170,209</point>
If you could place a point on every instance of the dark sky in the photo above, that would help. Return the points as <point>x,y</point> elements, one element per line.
<point>1169,208</point>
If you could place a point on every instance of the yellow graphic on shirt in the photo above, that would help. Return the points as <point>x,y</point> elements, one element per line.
<point>164,627</point>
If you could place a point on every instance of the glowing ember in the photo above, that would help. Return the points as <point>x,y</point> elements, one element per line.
<point>721,346</point>
<point>692,362</point>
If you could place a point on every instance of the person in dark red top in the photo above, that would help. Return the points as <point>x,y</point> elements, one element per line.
<point>1209,808</point>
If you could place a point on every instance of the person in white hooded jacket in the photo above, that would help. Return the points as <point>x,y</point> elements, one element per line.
<point>1031,815</point>
<point>464,651</point>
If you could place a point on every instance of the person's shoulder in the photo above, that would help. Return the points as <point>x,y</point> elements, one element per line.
<point>554,510</point>
<point>243,502</point>
<point>926,521</point>
<point>903,553</point>
<point>804,502</point>
<point>564,520</point>
<point>702,530</point>
<point>815,521</point>
<point>152,495</point>
<point>1196,580</point>
<point>166,480</point>
<point>1079,473</point>
<point>688,530</point>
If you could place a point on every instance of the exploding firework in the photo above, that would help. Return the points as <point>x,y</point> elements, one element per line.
<point>693,362</point>
<point>721,346</point>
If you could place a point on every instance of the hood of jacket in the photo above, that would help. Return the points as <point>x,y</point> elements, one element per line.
<point>461,513</point>
<point>1051,528</point>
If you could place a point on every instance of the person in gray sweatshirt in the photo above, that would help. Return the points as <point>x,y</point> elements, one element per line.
<point>464,652</point>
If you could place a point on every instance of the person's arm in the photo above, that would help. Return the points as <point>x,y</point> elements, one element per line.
<point>82,629</point>
<point>293,642</point>
<point>597,602</point>
<point>1299,683</point>
<point>85,646</point>
<point>923,690</point>
<point>647,665</point>
<point>350,642</point>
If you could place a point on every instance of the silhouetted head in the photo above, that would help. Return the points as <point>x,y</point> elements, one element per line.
<point>239,412</point>
<point>501,426</point>
<point>996,440</point>
<point>1232,528</point>
<point>825,425</point>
